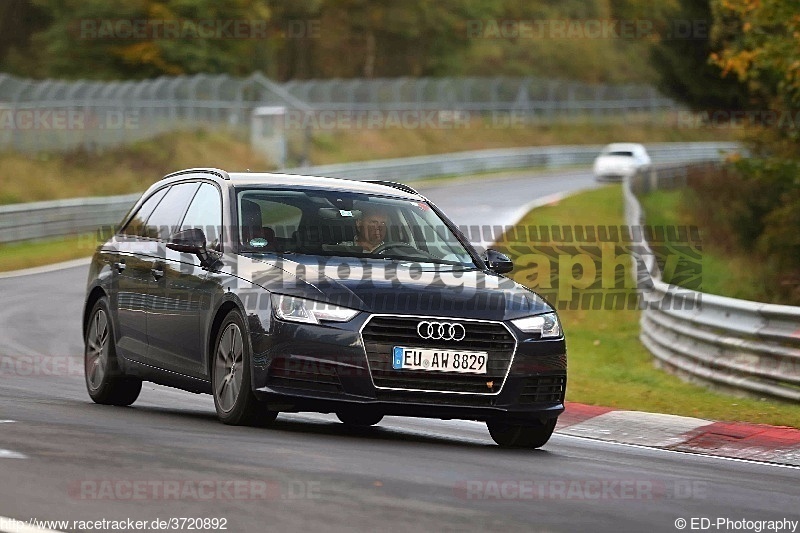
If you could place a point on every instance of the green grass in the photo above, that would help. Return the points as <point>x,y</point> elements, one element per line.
<point>723,272</point>
<point>355,144</point>
<point>15,256</point>
<point>134,167</point>
<point>122,170</point>
<point>607,364</point>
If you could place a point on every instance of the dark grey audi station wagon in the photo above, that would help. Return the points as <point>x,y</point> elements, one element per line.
<point>286,293</point>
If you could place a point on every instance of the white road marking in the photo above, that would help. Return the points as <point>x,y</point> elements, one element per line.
<point>688,454</point>
<point>637,427</point>
<point>47,268</point>
<point>7,421</point>
<point>430,431</point>
<point>10,454</point>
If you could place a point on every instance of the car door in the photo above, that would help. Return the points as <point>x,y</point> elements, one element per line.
<point>131,280</point>
<point>176,327</point>
<point>161,224</point>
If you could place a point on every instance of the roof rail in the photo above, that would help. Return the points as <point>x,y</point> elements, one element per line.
<point>216,171</point>
<point>401,186</point>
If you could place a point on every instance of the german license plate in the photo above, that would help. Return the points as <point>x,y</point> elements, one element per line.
<point>440,360</point>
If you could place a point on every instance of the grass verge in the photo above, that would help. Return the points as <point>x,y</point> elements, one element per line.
<point>132,168</point>
<point>356,144</point>
<point>28,254</point>
<point>722,272</point>
<point>122,170</point>
<point>607,364</point>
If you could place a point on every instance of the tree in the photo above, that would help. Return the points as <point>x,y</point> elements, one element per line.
<point>147,38</point>
<point>681,56</point>
<point>759,42</point>
<point>19,20</point>
<point>386,38</point>
<point>304,38</point>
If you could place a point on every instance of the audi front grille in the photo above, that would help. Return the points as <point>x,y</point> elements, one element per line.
<point>382,333</point>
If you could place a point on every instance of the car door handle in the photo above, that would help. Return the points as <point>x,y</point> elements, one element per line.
<point>120,266</point>
<point>157,272</point>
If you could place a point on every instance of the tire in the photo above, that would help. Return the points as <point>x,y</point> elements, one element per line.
<point>105,382</point>
<point>516,436</point>
<point>359,418</point>
<point>234,400</point>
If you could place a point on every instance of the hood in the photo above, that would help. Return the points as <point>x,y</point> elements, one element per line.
<point>396,287</point>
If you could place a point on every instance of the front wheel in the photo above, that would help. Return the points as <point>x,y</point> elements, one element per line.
<point>233,395</point>
<point>517,436</point>
<point>105,382</point>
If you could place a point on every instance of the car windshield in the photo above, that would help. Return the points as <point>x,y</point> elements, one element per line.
<point>622,153</point>
<point>338,223</point>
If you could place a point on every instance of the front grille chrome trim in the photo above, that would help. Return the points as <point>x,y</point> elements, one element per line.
<point>450,318</point>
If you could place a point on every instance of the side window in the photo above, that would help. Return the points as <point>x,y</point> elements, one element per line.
<point>166,217</point>
<point>135,226</point>
<point>205,213</point>
<point>434,237</point>
<point>282,218</point>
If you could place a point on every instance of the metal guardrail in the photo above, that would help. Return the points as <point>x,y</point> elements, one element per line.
<point>82,215</point>
<point>75,216</point>
<point>736,345</point>
<point>407,169</point>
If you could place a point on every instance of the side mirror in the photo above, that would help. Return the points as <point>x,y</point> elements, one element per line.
<point>497,262</point>
<point>190,241</point>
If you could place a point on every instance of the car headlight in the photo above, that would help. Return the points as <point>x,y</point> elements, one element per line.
<point>546,325</point>
<point>301,310</point>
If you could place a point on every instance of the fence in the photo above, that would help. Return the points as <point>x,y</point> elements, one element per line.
<point>68,217</point>
<point>547,98</point>
<point>57,115</point>
<point>737,345</point>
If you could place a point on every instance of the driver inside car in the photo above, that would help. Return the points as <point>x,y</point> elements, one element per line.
<point>371,229</point>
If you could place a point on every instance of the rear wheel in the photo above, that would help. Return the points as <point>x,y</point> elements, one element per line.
<point>517,436</point>
<point>105,382</point>
<point>233,395</point>
<point>358,418</point>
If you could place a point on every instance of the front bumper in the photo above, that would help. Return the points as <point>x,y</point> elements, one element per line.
<point>322,368</point>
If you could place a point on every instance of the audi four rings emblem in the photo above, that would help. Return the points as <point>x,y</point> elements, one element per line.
<point>441,331</point>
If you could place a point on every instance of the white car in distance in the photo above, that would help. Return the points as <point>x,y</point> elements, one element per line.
<point>618,161</point>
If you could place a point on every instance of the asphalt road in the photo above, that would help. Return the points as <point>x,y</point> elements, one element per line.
<point>64,458</point>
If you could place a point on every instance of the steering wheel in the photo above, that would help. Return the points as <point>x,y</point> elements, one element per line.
<point>411,250</point>
<point>391,246</point>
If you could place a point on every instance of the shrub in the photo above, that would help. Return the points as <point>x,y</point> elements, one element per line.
<point>753,206</point>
